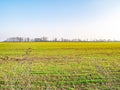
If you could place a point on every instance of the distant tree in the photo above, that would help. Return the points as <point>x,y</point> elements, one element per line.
<point>28,39</point>
<point>44,38</point>
<point>55,40</point>
<point>20,39</point>
<point>37,39</point>
<point>64,40</point>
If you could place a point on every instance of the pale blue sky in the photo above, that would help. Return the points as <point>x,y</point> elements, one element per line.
<point>60,18</point>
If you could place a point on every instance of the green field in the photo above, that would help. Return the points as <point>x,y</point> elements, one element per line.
<point>60,66</point>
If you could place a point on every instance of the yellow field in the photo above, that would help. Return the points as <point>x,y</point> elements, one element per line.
<point>60,66</point>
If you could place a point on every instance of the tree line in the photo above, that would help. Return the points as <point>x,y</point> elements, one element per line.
<point>45,39</point>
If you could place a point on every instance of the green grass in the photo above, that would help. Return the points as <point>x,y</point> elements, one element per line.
<point>60,65</point>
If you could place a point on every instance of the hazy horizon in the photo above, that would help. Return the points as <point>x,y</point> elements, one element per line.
<point>92,19</point>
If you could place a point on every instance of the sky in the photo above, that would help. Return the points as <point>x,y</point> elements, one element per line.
<point>84,19</point>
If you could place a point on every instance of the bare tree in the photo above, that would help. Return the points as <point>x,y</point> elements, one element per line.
<point>55,40</point>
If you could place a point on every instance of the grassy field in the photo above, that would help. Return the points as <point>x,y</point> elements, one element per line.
<point>60,66</point>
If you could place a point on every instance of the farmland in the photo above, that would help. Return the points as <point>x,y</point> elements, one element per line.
<point>60,66</point>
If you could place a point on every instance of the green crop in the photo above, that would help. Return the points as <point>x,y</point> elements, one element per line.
<point>60,66</point>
